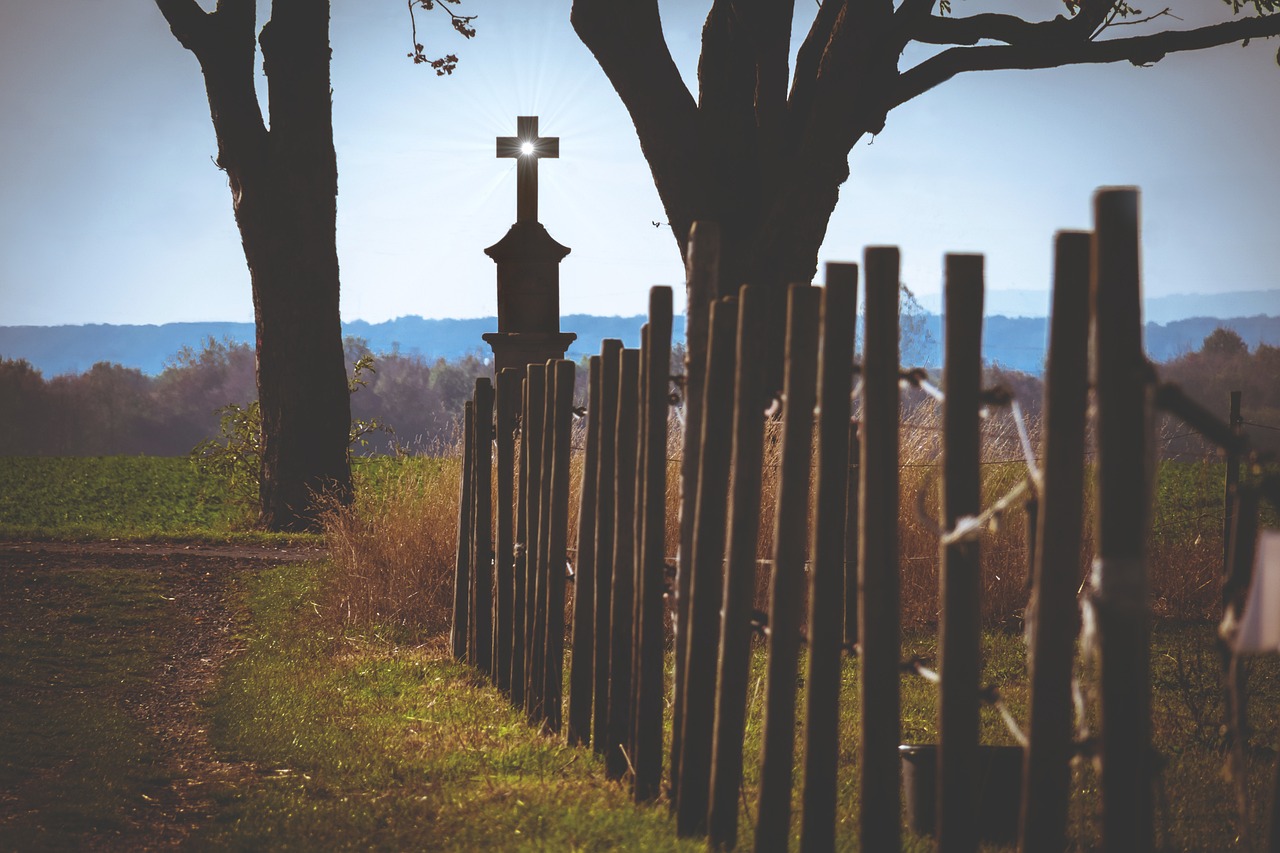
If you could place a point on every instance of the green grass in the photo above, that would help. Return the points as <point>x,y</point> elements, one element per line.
<point>369,744</point>
<point>375,746</point>
<point>111,497</point>
<point>73,647</point>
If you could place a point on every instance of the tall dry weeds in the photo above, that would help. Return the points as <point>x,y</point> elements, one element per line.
<point>394,549</point>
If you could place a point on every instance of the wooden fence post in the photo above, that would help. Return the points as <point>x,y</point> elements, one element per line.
<point>519,601</point>
<point>702,272</point>
<point>1053,614</point>
<point>734,666</point>
<point>506,404</point>
<point>706,583</point>
<point>826,578</point>
<point>462,566</point>
<point>960,576</point>
<point>538,671</point>
<point>482,537</point>
<point>610,364</point>
<point>650,677</point>
<point>562,435</point>
<point>637,548</point>
<point>1120,591</point>
<point>787,588</point>
<point>616,755</point>
<point>535,391</point>
<point>582,667</point>
<point>1232,484</point>
<point>878,604</point>
<point>851,539</point>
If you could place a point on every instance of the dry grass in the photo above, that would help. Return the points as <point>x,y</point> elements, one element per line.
<point>395,548</point>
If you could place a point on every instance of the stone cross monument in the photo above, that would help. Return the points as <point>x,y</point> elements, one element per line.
<point>528,262</point>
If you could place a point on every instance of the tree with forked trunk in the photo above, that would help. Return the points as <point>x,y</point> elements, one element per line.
<point>284,187</point>
<point>764,148</point>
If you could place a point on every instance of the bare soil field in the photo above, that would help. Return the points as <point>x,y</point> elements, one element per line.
<point>157,668</point>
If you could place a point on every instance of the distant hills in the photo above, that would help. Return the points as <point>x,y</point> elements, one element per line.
<point>1157,309</point>
<point>1016,342</point>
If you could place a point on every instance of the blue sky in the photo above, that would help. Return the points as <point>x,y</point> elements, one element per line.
<point>111,209</point>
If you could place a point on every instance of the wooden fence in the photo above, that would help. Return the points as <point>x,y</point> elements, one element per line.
<point>840,561</point>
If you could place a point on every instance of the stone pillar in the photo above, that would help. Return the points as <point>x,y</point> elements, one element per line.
<point>528,260</point>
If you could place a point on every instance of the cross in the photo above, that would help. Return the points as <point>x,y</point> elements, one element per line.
<point>526,147</point>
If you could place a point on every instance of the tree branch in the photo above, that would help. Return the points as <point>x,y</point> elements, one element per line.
<point>625,36</point>
<point>809,59</point>
<point>1010,29</point>
<point>1139,50</point>
<point>187,21</point>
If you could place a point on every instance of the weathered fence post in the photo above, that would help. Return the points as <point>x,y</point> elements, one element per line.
<point>706,578</point>
<point>461,632</point>
<point>702,273</point>
<point>1232,484</point>
<point>740,574</point>
<point>519,601</point>
<point>1120,592</point>
<point>508,399</point>
<point>610,364</point>
<point>960,578</point>
<point>538,671</point>
<point>878,604</point>
<point>650,677</point>
<point>616,755</point>
<point>582,667</point>
<point>826,578</point>
<point>535,392</point>
<point>562,435</point>
<point>637,547</point>
<point>787,586</point>
<point>482,532</point>
<point>851,539</point>
<point>1052,613</point>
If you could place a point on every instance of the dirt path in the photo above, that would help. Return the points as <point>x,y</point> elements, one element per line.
<point>195,639</point>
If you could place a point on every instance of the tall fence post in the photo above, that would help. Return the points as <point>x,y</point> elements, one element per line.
<point>520,597</point>
<point>505,408</point>
<point>651,678</point>
<point>878,605</point>
<point>734,666</point>
<point>1120,590</point>
<point>461,630</point>
<point>616,756</point>
<point>787,587</point>
<point>562,435</point>
<point>1053,614</point>
<point>582,668</point>
<point>482,536</point>
<point>538,671</point>
<point>960,577</point>
<point>535,391</point>
<point>1232,484</point>
<point>851,538</point>
<point>610,364</point>
<point>637,549</point>
<point>826,578</point>
<point>706,588</point>
<point>702,273</point>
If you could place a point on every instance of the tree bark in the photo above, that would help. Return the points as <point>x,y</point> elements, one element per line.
<point>284,185</point>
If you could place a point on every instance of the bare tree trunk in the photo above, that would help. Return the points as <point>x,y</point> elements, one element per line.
<point>284,185</point>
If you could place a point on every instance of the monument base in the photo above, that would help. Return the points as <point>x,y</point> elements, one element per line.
<point>517,349</point>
